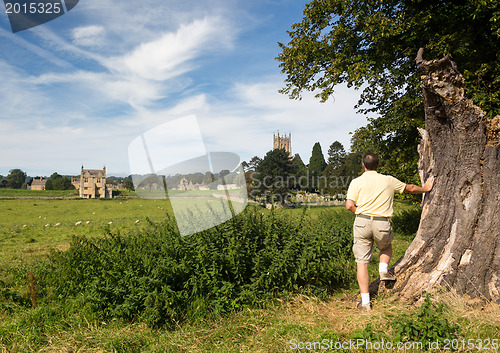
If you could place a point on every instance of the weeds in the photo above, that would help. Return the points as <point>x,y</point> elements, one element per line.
<point>428,324</point>
<point>32,288</point>
<point>161,278</point>
<point>419,328</point>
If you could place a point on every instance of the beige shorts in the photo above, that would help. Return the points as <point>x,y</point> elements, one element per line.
<point>366,231</point>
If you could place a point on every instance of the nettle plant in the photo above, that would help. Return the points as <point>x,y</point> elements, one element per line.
<point>161,278</point>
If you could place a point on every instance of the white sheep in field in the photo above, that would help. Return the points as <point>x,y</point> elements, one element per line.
<point>110,222</point>
<point>87,222</point>
<point>137,221</point>
<point>57,224</point>
<point>47,225</point>
<point>78,223</point>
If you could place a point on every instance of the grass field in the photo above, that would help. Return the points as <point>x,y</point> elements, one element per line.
<point>29,228</point>
<point>37,193</point>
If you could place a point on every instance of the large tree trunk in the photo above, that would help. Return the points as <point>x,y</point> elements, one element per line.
<point>458,241</point>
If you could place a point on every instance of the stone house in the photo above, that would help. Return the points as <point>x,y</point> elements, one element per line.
<point>37,184</point>
<point>92,184</point>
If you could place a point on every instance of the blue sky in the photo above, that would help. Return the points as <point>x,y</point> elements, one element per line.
<point>79,89</point>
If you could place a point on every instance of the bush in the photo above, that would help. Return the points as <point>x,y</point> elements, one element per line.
<point>406,222</point>
<point>162,278</point>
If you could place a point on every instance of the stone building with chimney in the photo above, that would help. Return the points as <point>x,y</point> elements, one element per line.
<point>92,184</point>
<point>37,183</point>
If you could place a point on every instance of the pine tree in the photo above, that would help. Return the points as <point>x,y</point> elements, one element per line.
<point>316,167</point>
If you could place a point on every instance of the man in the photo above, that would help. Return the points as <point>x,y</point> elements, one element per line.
<point>371,197</point>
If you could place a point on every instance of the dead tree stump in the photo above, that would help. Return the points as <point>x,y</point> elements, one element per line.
<point>458,241</point>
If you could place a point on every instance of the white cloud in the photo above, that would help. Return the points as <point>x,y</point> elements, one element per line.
<point>172,53</point>
<point>17,97</point>
<point>89,36</point>
<point>245,122</point>
<point>148,72</point>
<point>35,49</point>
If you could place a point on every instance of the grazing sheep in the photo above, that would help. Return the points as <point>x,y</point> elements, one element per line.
<point>57,224</point>
<point>110,222</point>
<point>137,221</point>
<point>78,223</point>
<point>47,225</point>
<point>87,222</point>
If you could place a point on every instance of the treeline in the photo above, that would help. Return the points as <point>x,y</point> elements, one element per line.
<point>208,179</point>
<point>278,174</point>
<point>18,179</point>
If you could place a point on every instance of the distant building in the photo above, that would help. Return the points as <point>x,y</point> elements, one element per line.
<point>185,185</point>
<point>37,184</point>
<point>92,184</point>
<point>283,142</point>
<point>227,187</point>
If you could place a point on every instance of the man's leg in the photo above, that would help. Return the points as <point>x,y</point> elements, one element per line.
<point>364,282</point>
<point>383,236</point>
<point>362,249</point>
<point>363,277</point>
<point>386,254</point>
<point>383,266</point>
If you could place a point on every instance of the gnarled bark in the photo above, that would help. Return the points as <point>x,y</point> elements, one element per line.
<point>458,241</point>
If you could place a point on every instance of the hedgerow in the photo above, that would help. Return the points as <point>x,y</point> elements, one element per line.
<point>161,278</point>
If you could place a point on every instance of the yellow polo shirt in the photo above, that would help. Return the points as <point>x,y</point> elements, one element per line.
<point>373,193</point>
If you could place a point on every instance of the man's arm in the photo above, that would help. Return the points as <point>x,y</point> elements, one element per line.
<point>350,205</point>
<point>414,189</point>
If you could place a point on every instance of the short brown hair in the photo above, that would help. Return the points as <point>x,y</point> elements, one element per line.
<point>370,160</point>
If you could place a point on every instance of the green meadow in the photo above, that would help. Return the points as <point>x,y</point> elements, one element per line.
<point>30,227</point>
<point>46,304</point>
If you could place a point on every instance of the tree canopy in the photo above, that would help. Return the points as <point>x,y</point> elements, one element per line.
<point>58,182</point>
<point>273,174</point>
<point>373,45</point>
<point>15,179</point>
<point>316,166</point>
<point>336,155</point>
<point>128,184</point>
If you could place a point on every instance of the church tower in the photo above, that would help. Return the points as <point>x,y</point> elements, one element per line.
<point>284,142</point>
